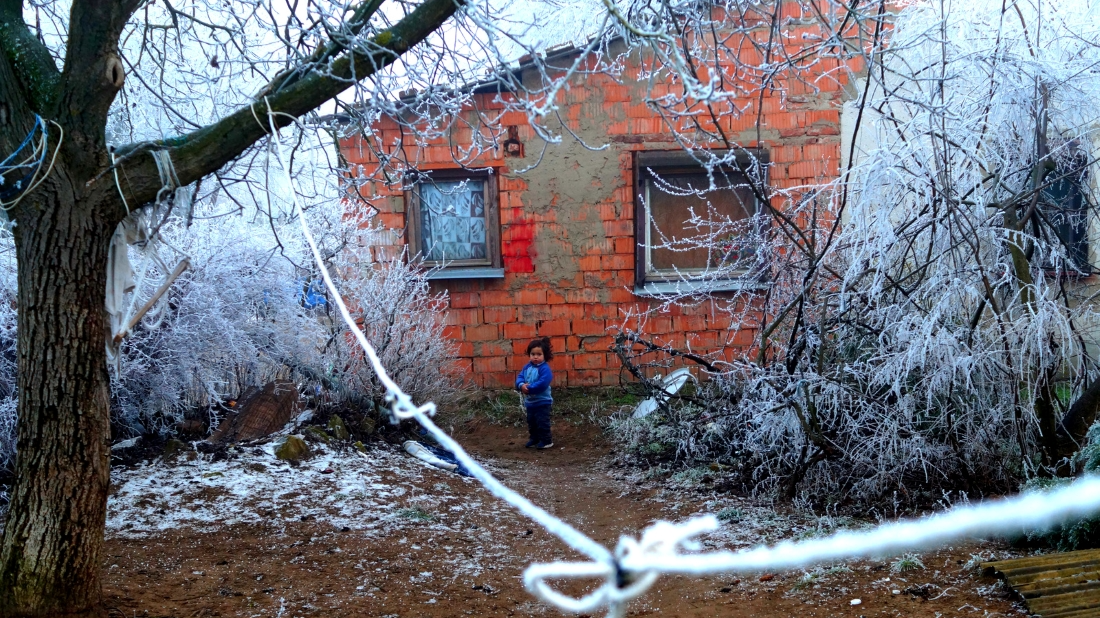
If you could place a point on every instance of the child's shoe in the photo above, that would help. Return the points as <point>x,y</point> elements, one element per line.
<point>544,445</point>
<point>531,444</point>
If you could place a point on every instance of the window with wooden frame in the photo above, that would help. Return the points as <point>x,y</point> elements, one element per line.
<point>670,250</point>
<point>454,223</point>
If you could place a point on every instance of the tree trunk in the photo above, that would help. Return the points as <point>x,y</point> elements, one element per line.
<point>1075,425</point>
<point>49,560</point>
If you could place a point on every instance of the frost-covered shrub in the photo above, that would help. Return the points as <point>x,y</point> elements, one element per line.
<point>253,308</point>
<point>233,320</point>
<point>1078,533</point>
<point>8,342</point>
<point>403,320</point>
<point>8,400</point>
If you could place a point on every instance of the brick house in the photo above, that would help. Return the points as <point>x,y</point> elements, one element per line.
<point>564,249</point>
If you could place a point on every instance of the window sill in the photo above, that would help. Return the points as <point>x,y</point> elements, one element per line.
<point>671,288</point>
<point>475,272</point>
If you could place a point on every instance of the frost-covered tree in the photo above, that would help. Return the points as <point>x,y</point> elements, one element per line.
<point>108,106</point>
<point>927,319</point>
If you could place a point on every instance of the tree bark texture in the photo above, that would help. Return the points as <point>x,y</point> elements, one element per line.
<point>49,560</point>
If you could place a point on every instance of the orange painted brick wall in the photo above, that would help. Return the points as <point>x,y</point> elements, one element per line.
<point>567,225</point>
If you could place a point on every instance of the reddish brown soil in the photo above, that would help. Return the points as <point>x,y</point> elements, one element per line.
<point>311,569</point>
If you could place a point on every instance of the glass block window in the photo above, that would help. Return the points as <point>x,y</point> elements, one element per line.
<point>452,221</point>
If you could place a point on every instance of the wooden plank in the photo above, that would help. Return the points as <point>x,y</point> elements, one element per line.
<point>260,414</point>
<point>1062,585</point>
<point>1051,579</point>
<point>1053,571</point>
<point>1072,600</point>
<point>1044,559</point>
<point>1037,573</point>
<point>1057,590</point>
<point>1073,613</point>
<point>1010,570</point>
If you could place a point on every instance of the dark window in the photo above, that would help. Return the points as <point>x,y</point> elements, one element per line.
<point>691,224</point>
<point>1066,210</point>
<point>454,220</point>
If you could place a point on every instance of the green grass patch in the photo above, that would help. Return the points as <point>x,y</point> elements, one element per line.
<point>730,515</point>
<point>416,514</point>
<point>906,563</point>
<point>689,477</point>
<point>810,578</point>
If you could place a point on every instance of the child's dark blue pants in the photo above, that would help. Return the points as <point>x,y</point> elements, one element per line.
<point>538,423</point>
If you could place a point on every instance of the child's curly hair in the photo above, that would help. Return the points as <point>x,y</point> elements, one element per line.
<point>543,343</point>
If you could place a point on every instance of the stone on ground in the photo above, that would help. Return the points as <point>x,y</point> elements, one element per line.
<point>292,448</point>
<point>314,433</point>
<point>337,428</point>
<point>173,448</point>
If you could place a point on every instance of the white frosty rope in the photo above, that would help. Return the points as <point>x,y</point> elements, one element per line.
<point>637,564</point>
<point>403,408</point>
<point>657,552</point>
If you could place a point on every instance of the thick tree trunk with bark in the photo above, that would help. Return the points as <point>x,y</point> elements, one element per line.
<point>49,556</point>
<point>49,562</point>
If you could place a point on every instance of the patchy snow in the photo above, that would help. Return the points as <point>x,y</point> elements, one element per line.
<point>378,494</point>
<point>383,531</point>
<point>345,488</point>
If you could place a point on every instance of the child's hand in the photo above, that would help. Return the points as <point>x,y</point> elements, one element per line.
<point>523,388</point>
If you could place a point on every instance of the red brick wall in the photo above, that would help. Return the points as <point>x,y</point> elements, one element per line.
<point>567,226</point>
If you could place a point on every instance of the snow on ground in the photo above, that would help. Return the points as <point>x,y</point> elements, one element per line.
<point>377,533</point>
<point>205,494</point>
<point>378,494</point>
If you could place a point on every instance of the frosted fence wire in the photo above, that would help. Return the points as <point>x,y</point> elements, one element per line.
<point>637,563</point>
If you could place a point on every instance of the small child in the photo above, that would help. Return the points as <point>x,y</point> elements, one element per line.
<point>534,382</point>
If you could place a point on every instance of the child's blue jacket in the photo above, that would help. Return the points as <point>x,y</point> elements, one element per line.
<point>537,378</point>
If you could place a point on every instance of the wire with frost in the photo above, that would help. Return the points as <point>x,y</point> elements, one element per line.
<point>659,550</point>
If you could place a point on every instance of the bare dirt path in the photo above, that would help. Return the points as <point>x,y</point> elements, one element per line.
<point>440,546</point>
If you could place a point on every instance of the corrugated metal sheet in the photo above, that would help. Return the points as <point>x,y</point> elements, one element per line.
<point>1064,585</point>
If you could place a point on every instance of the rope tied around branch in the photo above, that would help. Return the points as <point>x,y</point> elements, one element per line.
<point>171,191</point>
